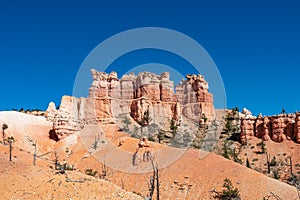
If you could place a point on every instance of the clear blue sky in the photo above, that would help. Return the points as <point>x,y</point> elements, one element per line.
<point>255,44</point>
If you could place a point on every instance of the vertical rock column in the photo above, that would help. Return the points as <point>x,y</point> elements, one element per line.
<point>297,127</point>
<point>247,130</point>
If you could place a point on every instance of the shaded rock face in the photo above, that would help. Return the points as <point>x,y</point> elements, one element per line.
<point>297,127</point>
<point>277,128</point>
<point>143,96</point>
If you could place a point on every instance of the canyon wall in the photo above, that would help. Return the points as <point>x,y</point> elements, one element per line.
<point>277,128</point>
<point>147,98</point>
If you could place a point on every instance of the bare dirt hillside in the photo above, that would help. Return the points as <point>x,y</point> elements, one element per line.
<point>194,175</point>
<point>21,180</point>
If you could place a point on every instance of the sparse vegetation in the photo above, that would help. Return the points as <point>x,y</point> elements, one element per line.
<point>10,141</point>
<point>226,150</point>
<point>91,172</point>
<point>271,196</point>
<point>231,125</point>
<point>268,163</point>
<point>160,136</point>
<point>35,111</point>
<point>229,192</point>
<point>235,155</point>
<point>96,141</point>
<point>154,182</point>
<point>34,154</point>
<point>248,163</point>
<point>4,127</point>
<point>203,123</point>
<point>146,118</point>
<point>61,167</point>
<point>273,162</point>
<point>173,127</point>
<point>262,146</point>
<point>127,122</point>
<point>104,173</point>
<point>295,181</point>
<point>276,174</point>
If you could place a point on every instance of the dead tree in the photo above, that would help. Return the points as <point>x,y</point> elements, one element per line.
<point>4,126</point>
<point>96,141</point>
<point>104,171</point>
<point>56,163</point>
<point>154,181</point>
<point>10,141</point>
<point>291,166</point>
<point>268,163</point>
<point>157,183</point>
<point>34,154</point>
<point>33,142</point>
<point>272,195</point>
<point>151,186</point>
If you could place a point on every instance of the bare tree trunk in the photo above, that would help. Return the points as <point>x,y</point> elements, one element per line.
<point>268,163</point>
<point>152,182</point>
<point>153,179</point>
<point>34,154</point>
<point>3,136</point>
<point>157,183</point>
<point>56,163</point>
<point>96,141</point>
<point>10,150</point>
<point>291,166</point>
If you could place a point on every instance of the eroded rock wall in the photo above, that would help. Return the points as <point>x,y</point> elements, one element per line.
<point>194,98</point>
<point>278,128</point>
<point>143,96</point>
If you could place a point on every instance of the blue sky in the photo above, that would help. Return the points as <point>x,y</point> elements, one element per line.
<point>255,45</point>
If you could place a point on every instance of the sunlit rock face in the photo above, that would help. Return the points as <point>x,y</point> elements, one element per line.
<point>277,128</point>
<point>136,96</point>
<point>195,99</point>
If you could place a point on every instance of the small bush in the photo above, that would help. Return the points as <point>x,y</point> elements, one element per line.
<point>90,172</point>
<point>273,162</point>
<point>276,174</point>
<point>248,163</point>
<point>255,160</point>
<point>151,139</point>
<point>226,150</point>
<point>229,191</point>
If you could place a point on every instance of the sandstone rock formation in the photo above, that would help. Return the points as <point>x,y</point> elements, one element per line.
<point>278,128</point>
<point>51,111</point>
<point>267,129</point>
<point>194,98</point>
<point>145,96</point>
<point>68,119</point>
<point>247,129</point>
<point>297,127</point>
